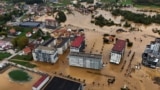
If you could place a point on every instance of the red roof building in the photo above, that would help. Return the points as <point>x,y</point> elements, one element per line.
<point>12,31</point>
<point>119,46</point>
<point>77,42</point>
<point>117,51</point>
<point>40,83</point>
<point>27,50</point>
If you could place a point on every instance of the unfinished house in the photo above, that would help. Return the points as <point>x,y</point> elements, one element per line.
<point>62,45</point>
<point>117,51</point>
<point>151,54</point>
<point>78,44</point>
<point>51,24</point>
<point>86,60</point>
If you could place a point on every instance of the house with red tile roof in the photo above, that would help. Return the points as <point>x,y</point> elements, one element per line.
<point>78,44</point>
<point>27,50</point>
<point>117,51</point>
<point>12,31</point>
<point>41,82</point>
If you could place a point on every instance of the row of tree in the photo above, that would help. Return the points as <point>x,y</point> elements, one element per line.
<point>137,18</point>
<point>8,16</point>
<point>147,2</point>
<point>27,1</point>
<point>101,21</point>
<point>88,1</point>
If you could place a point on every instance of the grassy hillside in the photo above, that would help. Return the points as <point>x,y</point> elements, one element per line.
<point>147,2</point>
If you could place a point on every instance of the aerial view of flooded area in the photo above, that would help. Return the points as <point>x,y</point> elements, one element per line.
<point>80,44</point>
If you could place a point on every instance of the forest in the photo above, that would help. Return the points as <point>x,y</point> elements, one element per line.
<point>27,1</point>
<point>147,2</point>
<point>137,18</point>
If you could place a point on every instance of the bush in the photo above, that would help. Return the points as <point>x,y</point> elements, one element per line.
<point>106,41</point>
<point>130,44</point>
<point>92,21</point>
<point>113,35</point>
<point>106,34</point>
<point>127,40</point>
<point>127,24</point>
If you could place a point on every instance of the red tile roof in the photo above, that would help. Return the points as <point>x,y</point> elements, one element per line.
<point>12,30</point>
<point>77,42</point>
<point>40,81</point>
<point>27,50</point>
<point>31,46</point>
<point>119,46</point>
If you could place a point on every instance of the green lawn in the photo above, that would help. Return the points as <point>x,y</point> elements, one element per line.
<point>108,1</point>
<point>127,2</point>
<point>19,75</point>
<point>23,63</point>
<point>4,55</point>
<point>24,30</point>
<point>65,2</point>
<point>24,57</point>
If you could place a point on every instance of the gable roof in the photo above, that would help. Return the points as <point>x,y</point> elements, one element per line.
<point>58,83</point>
<point>40,81</point>
<point>119,46</point>
<point>27,50</point>
<point>77,42</point>
<point>12,30</point>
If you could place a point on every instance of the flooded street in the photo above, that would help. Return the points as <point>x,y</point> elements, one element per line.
<point>139,80</point>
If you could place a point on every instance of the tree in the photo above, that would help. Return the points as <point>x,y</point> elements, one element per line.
<point>3,33</point>
<point>61,17</point>
<point>22,42</point>
<point>127,24</point>
<point>130,44</point>
<point>14,42</point>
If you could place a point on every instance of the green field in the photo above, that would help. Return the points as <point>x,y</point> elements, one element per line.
<point>23,63</point>
<point>122,1</point>
<point>19,75</point>
<point>127,2</point>
<point>4,55</point>
<point>108,1</point>
<point>23,57</point>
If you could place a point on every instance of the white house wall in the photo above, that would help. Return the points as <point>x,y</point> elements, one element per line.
<point>54,59</point>
<point>60,51</point>
<point>74,50</point>
<point>73,61</point>
<point>85,62</point>
<point>41,85</point>
<point>34,56</point>
<point>115,58</point>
